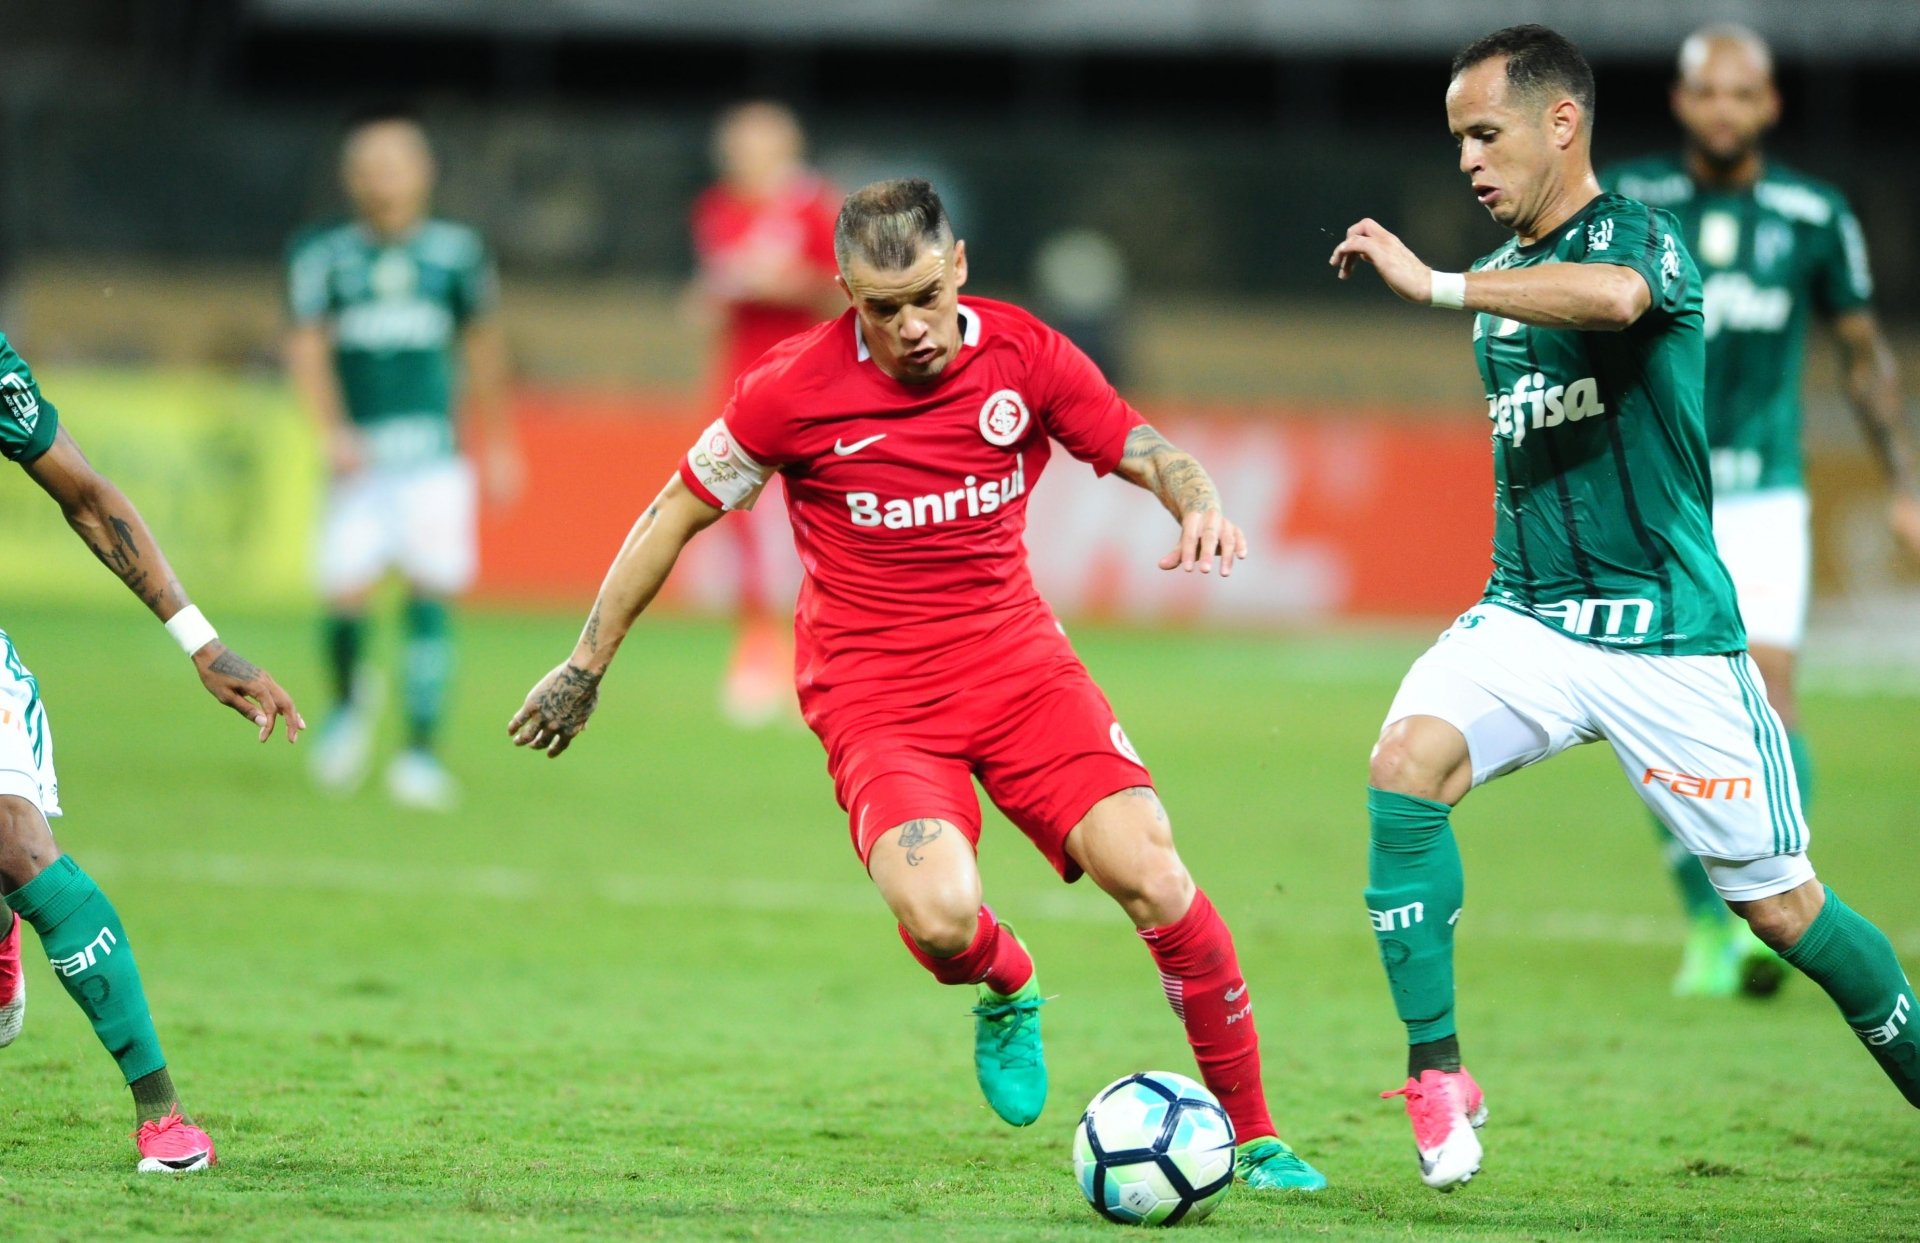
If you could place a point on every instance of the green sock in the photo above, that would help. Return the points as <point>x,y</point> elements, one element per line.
<point>344,635</point>
<point>1854,962</point>
<point>88,949</point>
<point>428,666</point>
<point>1802,767</point>
<point>1414,891</point>
<point>1697,894</point>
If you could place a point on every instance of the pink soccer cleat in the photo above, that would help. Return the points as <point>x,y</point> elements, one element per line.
<point>1446,1108</point>
<point>172,1145</point>
<point>13,985</point>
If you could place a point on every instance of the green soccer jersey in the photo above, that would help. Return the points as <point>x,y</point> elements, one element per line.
<point>28,421</point>
<point>1770,255</point>
<point>1601,491</point>
<point>394,310</point>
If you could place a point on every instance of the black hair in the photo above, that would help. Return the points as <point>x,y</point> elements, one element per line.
<point>1539,61</point>
<point>887,223</point>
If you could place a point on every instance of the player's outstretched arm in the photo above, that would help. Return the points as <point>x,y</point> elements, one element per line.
<point>1585,297</point>
<point>557,708</point>
<point>1873,390</point>
<point>1184,487</point>
<point>107,521</point>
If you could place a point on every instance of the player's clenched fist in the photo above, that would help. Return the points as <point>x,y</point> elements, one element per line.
<point>556,709</point>
<point>1399,267</point>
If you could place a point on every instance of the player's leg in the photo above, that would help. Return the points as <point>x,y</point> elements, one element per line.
<point>437,541</point>
<point>759,680</point>
<point>1125,845</point>
<point>1488,698</point>
<point>1706,752</point>
<point>353,552</point>
<point>87,945</point>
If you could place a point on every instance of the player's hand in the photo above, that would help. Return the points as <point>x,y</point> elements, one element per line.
<point>556,710</point>
<point>346,451</point>
<point>1204,535</point>
<point>1399,267</point>
<point>1903,515</point>
<point>246,688</point>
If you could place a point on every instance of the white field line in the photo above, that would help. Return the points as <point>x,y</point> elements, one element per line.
<point>757,895</point>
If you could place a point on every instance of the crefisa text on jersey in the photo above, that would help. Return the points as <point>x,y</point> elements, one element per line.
<point>1533,403</point>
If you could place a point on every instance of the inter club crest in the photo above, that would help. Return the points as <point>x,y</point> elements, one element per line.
<point>1003,419</point>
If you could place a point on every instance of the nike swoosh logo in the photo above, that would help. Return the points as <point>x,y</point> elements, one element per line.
<point>843,449</point>
<point>1235,994</point>
<point>183,1163</point>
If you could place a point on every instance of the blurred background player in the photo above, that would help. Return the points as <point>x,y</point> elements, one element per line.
<point>1608,613</point>
<point>1774,248</point>
<point>79,928</point>
<point>907,434</point>
<point>393,324</point>
<point>763,242</point>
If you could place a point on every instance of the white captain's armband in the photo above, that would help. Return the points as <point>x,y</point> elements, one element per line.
<point>717,465</point>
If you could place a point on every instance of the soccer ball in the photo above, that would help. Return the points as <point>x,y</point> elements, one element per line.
<point>1154,1149</point>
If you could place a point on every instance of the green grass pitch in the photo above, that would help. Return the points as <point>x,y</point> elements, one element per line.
<point>645,991</point>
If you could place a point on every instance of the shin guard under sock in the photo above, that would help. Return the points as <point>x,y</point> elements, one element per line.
<point>1854,962</point>
<point>89,952</point>
<point>1414,892</point>
<point>1200,974</point>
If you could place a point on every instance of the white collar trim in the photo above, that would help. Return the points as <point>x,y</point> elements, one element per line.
<point>969,333</point>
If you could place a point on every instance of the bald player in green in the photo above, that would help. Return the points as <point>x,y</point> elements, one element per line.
<point>1776,250</point>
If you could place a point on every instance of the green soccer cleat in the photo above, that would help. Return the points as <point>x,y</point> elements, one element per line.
<point>1266,1164</point>
<point>1007,1056</point>
<point>1710,964</point>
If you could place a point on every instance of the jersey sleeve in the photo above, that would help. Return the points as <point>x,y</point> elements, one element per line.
<point>28,421</point>
<point>476,283</point>
<point>1628,234</point>
<point>738,452</point>
<point>309,289</point>
<point>1077,405</point>
<point>1842,279</point>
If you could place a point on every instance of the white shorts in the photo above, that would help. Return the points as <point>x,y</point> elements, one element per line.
<point>418,521</point>
<point>1765,544</point>
<point>1694,734</point>
<point>26,740</point>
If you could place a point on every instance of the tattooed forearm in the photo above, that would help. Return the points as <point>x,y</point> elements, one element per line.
<point>234,665</point>
<point>916,834</point>
<point>590,636</point>
<point>112,539</point>
<point>1170,474</point>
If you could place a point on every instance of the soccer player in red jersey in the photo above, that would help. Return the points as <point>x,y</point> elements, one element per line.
<point>908,433</point>
<point>763,239</point>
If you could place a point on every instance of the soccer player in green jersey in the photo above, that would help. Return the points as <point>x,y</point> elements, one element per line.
<point>78,927</point>
<point>1775,248</point>
<point>385,308</point>
<point>1608,613</point>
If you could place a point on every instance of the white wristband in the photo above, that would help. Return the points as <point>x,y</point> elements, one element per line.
<point>1449,291</point>
<point>191,629</point>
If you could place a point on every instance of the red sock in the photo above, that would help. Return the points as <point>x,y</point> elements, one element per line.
<point>1201,976</point>
<point>994,959</point>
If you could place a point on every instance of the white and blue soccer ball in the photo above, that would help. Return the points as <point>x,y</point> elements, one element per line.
<point>1154,1149</point>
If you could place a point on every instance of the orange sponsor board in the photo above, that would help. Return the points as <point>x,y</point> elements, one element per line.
<point>1346,515</point>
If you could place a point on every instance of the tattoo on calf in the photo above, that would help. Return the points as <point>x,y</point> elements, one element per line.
<point>916,834</point>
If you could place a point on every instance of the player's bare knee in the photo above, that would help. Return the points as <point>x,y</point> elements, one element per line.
<point>1155,891</point>
<point>1421,757</point>
<point>1780,921</point>
<point>941,930</point>
<point>26,843</point>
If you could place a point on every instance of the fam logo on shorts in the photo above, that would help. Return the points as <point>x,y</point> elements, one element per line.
<point>1004,418</point>
<point>1124,745</point>
<point>1686,785</point>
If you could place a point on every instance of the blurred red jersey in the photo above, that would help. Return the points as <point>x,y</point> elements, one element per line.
<point>909,501</point>
<point>730,231</point>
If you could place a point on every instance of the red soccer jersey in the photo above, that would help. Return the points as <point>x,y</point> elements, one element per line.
<point>909,501</point>
<point>794,228</point>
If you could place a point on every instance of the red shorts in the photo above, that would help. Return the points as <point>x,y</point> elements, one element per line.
<point>1044,744</point>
